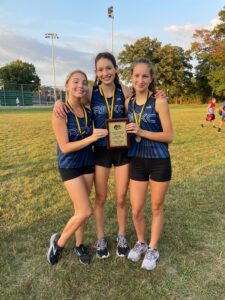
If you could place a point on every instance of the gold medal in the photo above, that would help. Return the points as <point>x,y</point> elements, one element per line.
<point>138,139</point>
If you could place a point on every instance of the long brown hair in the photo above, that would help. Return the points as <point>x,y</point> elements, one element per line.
<point>142,60</point>
<point>110,57</point>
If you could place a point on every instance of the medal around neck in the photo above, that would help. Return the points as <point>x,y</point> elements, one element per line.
<point>138,139</point>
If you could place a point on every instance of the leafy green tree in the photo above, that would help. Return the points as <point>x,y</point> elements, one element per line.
<point>18,72</point>
<point>144,47</point>
<point>172,64</point>
<point>209,50</point>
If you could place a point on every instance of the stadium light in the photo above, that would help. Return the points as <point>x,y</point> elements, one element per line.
<point>111,15</point>
<point>53,36</point>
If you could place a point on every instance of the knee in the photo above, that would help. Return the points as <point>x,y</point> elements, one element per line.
<point>84,215</point>
<point>121,200</point>
<point>157,209</point>
<point>137,214</point>
<point>100,199</point>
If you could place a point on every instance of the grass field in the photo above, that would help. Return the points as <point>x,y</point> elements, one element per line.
<point>34,203</point>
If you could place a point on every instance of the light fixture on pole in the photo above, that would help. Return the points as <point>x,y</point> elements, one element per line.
<point>111,15</point>
<point>53,36</point>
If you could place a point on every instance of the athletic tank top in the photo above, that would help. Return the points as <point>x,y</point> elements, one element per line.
<point>80,158</point>
<point>150,121</point>
<point>211,108</point>
<point>100,112</point>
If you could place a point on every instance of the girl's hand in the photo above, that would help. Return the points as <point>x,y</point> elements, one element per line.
<point>160,95</point>
<point>60,110</point>
<point>133,128</point>
<point>99,133</point>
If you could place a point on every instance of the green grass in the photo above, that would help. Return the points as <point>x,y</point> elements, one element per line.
<point>34,203</point>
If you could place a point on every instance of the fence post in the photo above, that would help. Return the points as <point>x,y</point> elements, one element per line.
<point>4,94</point>
<point>22,93</point>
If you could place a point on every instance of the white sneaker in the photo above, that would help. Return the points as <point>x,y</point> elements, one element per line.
<point>151,256</point>
<point>136,253</point>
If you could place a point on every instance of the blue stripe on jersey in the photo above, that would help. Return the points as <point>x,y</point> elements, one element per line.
<point>83,157</point>
<point>99,109</point>
<point>150,121</point>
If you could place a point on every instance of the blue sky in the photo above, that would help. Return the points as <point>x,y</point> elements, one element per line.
<point>84,29</point>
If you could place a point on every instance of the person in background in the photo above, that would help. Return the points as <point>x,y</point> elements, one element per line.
<point>151,131</point>
<point>75,136</point>
<point>222,113</point>
<point>210,117</point>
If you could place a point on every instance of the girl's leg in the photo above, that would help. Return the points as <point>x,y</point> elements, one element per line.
<point>79,234</point>
<point>82,207</point>
<point>100,180</point>
<point>121,186</point>
<point>138,191</point>
<point>158,192</point>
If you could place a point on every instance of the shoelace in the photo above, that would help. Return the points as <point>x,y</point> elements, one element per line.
<point>150,254</point>
<point>101,244</point>
<point>138,246</point>
<point>122,242</point>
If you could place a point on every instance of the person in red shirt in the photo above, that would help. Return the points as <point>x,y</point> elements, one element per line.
<point>210,113</point>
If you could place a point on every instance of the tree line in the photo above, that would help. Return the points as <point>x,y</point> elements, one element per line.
<point>176,75</point>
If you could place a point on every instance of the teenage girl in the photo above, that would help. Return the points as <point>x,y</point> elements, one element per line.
<point>74,135</point>
<point>151,131</point>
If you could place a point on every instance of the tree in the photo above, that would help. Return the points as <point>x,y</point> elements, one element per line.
<point>172,64</point>
<point>209,50</point>
<point>18,72</point>
<point>144,47</point>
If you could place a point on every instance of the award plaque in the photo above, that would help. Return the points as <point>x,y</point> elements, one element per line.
<point>117,134</point>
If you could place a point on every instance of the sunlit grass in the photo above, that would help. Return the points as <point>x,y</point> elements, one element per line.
<point>34,203</point>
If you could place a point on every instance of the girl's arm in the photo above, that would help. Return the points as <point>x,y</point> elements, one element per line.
<point>126,104</point>
<point>60,130</point>
<point>60,109</point>
<point>166,136</point>
<point>126,91</point>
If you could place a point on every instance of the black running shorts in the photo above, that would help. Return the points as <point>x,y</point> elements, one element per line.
<point>157,169</point>
<point>106,158</point>
<point>67,174</point>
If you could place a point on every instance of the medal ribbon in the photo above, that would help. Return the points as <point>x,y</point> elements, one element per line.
<point>109,109</point>
<point>138,119</point>
<point>77,120</point>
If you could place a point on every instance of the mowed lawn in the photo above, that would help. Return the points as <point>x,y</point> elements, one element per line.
<point>34,204</point>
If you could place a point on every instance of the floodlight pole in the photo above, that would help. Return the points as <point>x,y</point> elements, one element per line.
<point>111,15</point>
<point>53,36</point>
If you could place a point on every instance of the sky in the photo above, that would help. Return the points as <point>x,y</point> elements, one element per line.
<point>84,29</point>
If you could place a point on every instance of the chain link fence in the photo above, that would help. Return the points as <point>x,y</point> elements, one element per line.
<point>29,94</point>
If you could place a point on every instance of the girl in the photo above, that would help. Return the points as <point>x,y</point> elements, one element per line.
<point>210,113</point>
<point>222,114</point>
<point>76,165</point>
<point>107,99</point>
<point>151,130</point>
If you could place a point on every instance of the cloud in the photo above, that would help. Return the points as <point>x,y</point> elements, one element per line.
<point>183,34</point>
<point>67,58</point>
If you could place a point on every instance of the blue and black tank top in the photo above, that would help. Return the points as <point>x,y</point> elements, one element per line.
<point>150,121</point>
<point>100,112</point>
<point>83,157</point>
